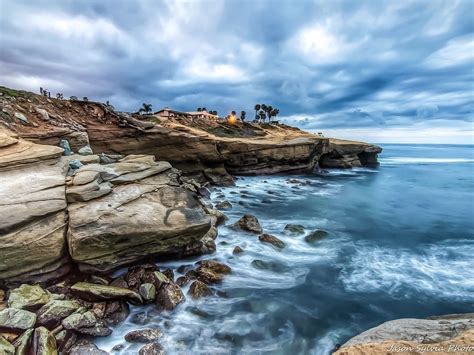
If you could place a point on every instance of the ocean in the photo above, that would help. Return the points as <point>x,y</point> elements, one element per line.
<point>400,244</point>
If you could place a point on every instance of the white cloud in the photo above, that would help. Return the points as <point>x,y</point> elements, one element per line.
<point>458,51</point>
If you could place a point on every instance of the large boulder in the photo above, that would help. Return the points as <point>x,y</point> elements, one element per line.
<point>169,296</point>
<point>28,297</point>
<point>129,210</point>
<point>33,218</point>
<point>51,314</point>
<point>249,223</point>
<point>16,319</point>
<point>93,292</point>
<point>86,323</point>
<point>146,335</point>
<point>409,333</point>
<point>271,239</point>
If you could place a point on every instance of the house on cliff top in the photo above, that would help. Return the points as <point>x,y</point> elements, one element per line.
<point>167,113</point>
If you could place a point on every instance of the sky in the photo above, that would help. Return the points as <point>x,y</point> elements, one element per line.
<point>380,71</point>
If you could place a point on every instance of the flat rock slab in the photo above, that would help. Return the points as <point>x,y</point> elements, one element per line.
<point>17,319</point>
<point>93,292</point>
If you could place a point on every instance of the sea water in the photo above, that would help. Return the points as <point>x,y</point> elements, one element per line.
<point>400,244</point>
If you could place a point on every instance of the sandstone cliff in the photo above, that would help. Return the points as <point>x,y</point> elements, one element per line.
<point>209,149</point>
<point>98,218</point>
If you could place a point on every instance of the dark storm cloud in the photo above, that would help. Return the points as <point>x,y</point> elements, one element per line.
<point>336,64</point>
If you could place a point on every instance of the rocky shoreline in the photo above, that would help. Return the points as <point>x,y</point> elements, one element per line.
<point>70,218</point>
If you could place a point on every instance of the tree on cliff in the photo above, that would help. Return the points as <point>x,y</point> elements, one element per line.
<point>262,115</point>
<point>242,115</point>
<point>199,109</point>
<point>257,108</point>
<point>85,99</point>
<point>146,108</point>
<point>268,111</point>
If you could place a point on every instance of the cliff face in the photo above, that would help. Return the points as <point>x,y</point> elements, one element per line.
<point>95,216</point>
<point>204,148</point>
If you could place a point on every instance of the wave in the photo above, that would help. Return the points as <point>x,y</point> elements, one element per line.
<point>412,160</point>
<point>443,270</point>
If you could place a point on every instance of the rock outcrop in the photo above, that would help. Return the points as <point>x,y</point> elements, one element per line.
<point>54,214</point>
<point>210,150</point>
<point>412,335</point>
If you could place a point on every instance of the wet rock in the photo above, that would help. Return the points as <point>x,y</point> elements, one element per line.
<point>204,192</point>
<point>184,268</point>
<point>158,279</point>
<point>270,239</point>
<point>118,347</point>
<point>169,274</point>
<point>139,274</point>
<point>6,347</point>
<point>63,143</point>
<point>17,319</point>
<point>219,176</point>
<point>23,343</point>
<point>223,205</point>
<point>206,275</point>
<point>169,296</point>
<point>143,335</point>
<point>237,250</point>
<point>152,349</point>
<point>65,339</point>
<point>44,342</point>
<point>215,266</point>
<point>148,292</point>
<point>98,308</point>
<point>86,323</point>
<point>84,346</point>
<point>315,236</point>
<point>93,292</point>
<point>119,282</point>
<point>86,150</point>
<point>51,314</point>
<point>217,217</point>
<point>182,281</point>
<point>140,318</point>
<point>268,265</point>
<point>28,297</point>
<point>249,223</point>
<point>116,312</point>
<point>294,229</point>
<point>199,289</point>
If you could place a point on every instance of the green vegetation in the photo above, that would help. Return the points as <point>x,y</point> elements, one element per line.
<point>8,91</point>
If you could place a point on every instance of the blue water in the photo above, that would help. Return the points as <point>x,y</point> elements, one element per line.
<point>400,244</point>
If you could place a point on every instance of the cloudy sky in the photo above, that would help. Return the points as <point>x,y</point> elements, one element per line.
<point>382,71</point>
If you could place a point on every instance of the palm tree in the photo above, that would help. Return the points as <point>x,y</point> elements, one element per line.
<point>199,109</point>
<point>262,115</point>
<point>204,109</point>
<point>269,112</point>
<point>146,108</point>
<point>257,108</point>
<point>85,99</point>
<point>242,115</point>
<point>275,112</point>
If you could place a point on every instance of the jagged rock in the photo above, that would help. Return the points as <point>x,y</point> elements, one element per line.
<point>215,266</point>
<point>152,349</point>
<point>75,164</point>
<point>136,275</point>
<point>237,250</point>
<point>5,347</point>
<point>270,239</point>
<point>147,291</point>
<point>206,275</point>
<point>118,347</point>
<point>217,216</point>
<point>143,335</point>
<point>23,343</point>
<point>223,205</point>
<point>86,150</point>
<point>44,342</point>
<point>182,281</point>
<point>63,143</point>
<point>169,274</point>
<point>199,289</point>
<point>51,314</point>
<point>84,346</point>
<point>86,323</point>
<point>28,297</point>
<point>16,319</point>
<point>116,312</point>
<point>169,296</point>
<point>98,308</point>
<point>93,292</point>
<point>249,223</point>
<point>65,339</point>
<point>315,236</point>
<point>294,229</point>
